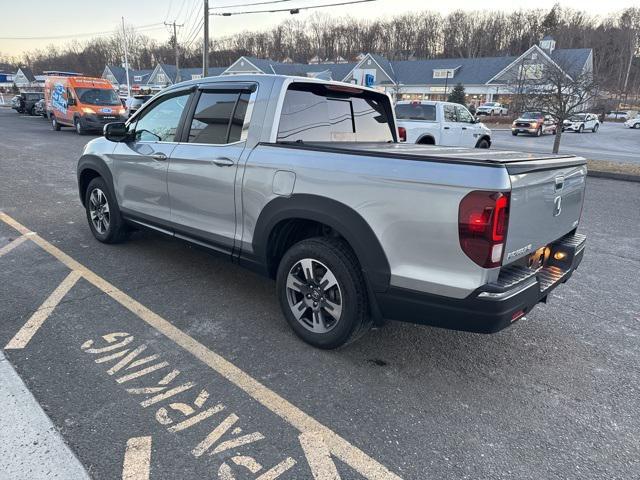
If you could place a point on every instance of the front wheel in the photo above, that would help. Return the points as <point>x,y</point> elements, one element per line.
<point>581,129</point>
<point>103,214</point>
<point>54,124</point>
<point>483,143</point>
<point>515,134</point>
<point>636,126</point>
<point>322,292</point>
<point>78,126</point>
<point>539,132</point>
<point>595,128</point>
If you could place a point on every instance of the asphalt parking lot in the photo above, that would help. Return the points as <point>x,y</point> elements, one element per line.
<point>553,397</point>
<point>612,142</point>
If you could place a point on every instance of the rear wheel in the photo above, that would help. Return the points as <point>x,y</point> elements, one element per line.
<point>322,292</point>
<point>539,132</point>
<point>515,134</point>
<point>637,126</point>
<point>103,214</point>
<point>54,124</point>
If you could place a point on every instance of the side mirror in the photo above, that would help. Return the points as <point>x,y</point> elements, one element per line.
<point>116,131</point>
<point>71,102</point>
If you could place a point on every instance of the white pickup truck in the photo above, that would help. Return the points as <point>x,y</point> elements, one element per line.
<point>440,123</point>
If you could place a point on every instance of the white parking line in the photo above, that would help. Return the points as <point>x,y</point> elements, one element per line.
<point>137,459</point>
<point>334,443</point>
<point>29,329</point>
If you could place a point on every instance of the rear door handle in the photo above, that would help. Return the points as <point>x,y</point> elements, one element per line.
<point>159,156</point>
<point>464,128</point>
<point>223,162</point>
<point>446,128</point>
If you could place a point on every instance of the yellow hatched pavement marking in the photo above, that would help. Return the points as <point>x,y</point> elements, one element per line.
<point>137,459</point>
<point>29,329</point>
<point>335,444</point>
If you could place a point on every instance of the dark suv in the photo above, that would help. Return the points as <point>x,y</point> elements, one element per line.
<point>26,103</point>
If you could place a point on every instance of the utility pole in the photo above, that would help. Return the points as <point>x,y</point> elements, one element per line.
<point>205,45</point>
<point>126,59</point>
<point>175,45</point>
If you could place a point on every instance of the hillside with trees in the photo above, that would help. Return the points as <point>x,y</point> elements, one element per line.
<point>615,40</point>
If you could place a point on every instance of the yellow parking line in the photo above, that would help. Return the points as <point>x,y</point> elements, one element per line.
<point>36,320</point>
<point>10,246</point>
<point>137,459</point>
<point>337,446</point>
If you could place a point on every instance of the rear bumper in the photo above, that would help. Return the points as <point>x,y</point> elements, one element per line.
<point>492,307</point>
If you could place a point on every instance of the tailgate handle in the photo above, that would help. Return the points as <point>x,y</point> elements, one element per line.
<point>559,183</point>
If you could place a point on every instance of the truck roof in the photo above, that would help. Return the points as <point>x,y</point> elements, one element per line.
<point>285,79</point>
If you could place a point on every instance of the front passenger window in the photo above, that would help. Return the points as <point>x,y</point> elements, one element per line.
<point>463,114</point>
<point>160,122</point>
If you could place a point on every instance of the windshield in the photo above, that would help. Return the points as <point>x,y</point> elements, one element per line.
<point>490,104</point>
<point>98,96</point>
<point>531,115</point>
<point>416,111</point>
<point>577,118</point>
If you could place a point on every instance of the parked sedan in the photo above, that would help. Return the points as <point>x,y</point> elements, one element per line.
<point>633,122</point>
<point>581,122</point>
<point>534,123</point>
<point>618,115</point>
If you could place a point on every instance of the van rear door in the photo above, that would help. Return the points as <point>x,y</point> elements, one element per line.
<point>546,203</point>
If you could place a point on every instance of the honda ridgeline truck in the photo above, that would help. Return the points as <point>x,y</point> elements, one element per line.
<point>304,181</point>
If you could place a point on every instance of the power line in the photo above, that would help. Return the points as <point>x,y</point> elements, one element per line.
<point>249,4</point>
<point>192,22</point>
<point>290,10</point>
<point>59,37</point>
<point>168,10</point>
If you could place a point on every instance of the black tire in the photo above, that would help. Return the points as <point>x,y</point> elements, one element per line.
<point>581,129</point>
<point>595,128</point>
<point>117,230</point>
<point>54,124</point>
<point>32,111</point>
<point>354,320</point>
<point>77,124</point>
<point>515,134</point>
<point>636,126</point>
<point>483,143</point>
<point>539,132</point>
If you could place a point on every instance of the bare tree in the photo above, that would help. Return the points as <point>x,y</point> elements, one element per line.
<point>560,90</point>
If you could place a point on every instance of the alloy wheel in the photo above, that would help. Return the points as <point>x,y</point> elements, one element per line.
<point>99,211</point>
<point>314,295</point>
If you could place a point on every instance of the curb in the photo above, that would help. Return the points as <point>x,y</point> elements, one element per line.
<point>613,175</point>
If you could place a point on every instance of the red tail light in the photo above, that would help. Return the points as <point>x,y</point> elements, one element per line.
<point>483,218</point>
<point>402,134</point>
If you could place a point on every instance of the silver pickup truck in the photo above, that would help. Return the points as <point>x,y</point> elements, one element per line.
<point>304,181</point>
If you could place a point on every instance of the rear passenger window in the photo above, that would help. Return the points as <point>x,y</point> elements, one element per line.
<point>219,117</point>
<point>449,113</point>
<point>316,113</point>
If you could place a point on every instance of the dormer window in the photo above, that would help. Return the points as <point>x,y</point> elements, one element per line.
<point>444,72</point>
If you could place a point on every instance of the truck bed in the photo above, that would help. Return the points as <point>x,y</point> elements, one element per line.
<point>515,162</point>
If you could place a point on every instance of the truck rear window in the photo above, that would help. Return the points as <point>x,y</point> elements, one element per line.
<point>317,113</point>
<point>416,111</point>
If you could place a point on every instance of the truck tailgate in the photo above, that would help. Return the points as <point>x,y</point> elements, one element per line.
<point>546,203</point>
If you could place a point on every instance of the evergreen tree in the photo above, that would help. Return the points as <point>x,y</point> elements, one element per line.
<point>457,95</point>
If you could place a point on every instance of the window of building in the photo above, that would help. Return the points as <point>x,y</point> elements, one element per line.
<point>444,73</point>
<point>161,78</point>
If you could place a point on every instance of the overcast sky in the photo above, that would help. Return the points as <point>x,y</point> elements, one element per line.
<point>44,18</point>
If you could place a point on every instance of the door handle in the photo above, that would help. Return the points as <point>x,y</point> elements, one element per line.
<point>159,156</point>
<point>223,162</point>
<point>446,128</point>
<point>464,128</point>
